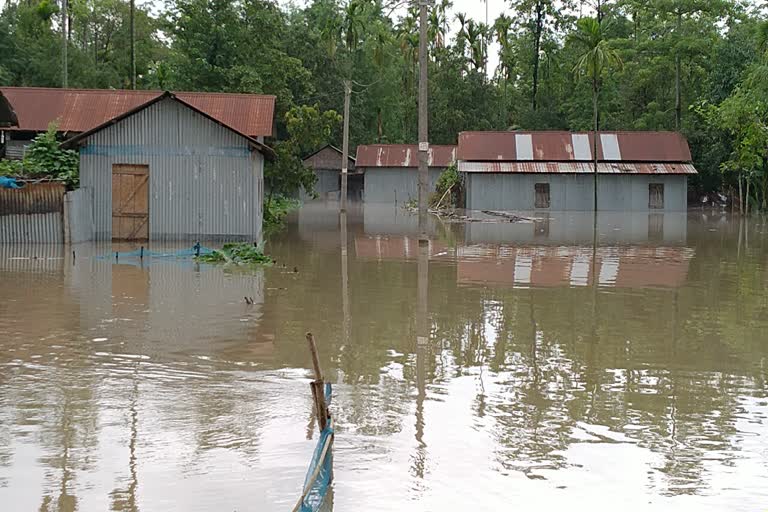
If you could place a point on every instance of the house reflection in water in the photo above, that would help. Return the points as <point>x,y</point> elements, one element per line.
<point>634,251</point>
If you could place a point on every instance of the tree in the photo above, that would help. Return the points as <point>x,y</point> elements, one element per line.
<point>308,129</point>
<point>598,58</point>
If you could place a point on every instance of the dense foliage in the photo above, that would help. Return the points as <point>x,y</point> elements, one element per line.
<point>696,65</point>
<point>45,159</point>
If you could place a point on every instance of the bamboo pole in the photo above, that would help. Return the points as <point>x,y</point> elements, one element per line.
<point>315,358</point>
<point>318,386</point>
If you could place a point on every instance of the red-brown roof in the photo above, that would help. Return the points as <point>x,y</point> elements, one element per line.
<point>79,110</point>
<point>577,167</point>
<point>657,147</point>
<point>403,155</point>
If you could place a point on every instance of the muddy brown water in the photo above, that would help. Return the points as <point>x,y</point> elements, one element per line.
<point>532,368</point>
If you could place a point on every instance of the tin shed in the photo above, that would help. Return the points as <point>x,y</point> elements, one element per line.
<point>637,171</point>
<point>326,164</point>
<point>391,170</point>
<point>168,171</point>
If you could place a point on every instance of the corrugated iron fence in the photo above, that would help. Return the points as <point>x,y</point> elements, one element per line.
<point>33,214</point>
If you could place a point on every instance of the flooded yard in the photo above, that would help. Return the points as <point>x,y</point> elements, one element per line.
<point>506,365</point>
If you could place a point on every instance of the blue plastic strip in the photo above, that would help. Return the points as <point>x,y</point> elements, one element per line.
<point>319,490</point>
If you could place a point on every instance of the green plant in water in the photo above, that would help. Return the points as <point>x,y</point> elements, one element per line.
<point>237,254</point>
<point>448,189</point>
<point>275,211</point>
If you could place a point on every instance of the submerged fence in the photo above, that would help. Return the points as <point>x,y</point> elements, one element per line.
<point>33,214</point>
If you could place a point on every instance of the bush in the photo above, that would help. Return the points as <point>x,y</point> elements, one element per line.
<point>275,210</point>
<point>45,159</point>
<point>450,180</point>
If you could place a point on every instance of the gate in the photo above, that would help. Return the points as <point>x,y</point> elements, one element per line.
<point>130,202</point>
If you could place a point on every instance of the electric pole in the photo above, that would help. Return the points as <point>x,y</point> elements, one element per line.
<point>133,44</point>
<point>64,44</point>
<point>423,122</point>
<point>345,146</point>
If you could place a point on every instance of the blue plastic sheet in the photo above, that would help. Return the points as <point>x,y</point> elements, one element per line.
<point>196,250</point>
<point>6,182</point>
<point>320,485</point>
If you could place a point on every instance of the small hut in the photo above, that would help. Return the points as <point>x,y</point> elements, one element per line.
<point>166,170</point>
<point>391,170</point>
<point>326,164</point>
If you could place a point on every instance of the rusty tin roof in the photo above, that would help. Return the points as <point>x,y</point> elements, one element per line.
<point>403,155</point>
<point>578,167</point>
<point>80,110</point>
<point>555,146</point>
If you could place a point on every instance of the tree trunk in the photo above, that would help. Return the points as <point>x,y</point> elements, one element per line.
<point>678,87</point>
<point>746,210</point>
<point>600,13</point>
<point>64,45</point>
<point>536,50</point>
<point>741,197</point>
<point>133,43</point>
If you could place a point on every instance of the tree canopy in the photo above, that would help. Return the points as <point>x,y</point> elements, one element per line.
<point>691,65</point>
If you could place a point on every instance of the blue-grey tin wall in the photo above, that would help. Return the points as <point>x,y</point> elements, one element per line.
<point>327,185</point>
<point>395,185</point>
<point>573,192</point>
<point>205,181</point>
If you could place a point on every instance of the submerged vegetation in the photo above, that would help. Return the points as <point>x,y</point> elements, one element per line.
<point>275,210</point>
<point>449,189</point>
<point>237,254</point>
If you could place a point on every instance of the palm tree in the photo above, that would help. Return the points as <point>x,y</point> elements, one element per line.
<point>597,58</point>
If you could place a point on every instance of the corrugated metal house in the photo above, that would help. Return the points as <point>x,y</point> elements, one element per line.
<point>80,110</point>
<point>326,164</point>
<point>637,171</point>
<point>166,170</point>
<point>391,170</point>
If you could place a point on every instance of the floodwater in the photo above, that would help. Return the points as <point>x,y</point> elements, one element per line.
<point>504,366</point>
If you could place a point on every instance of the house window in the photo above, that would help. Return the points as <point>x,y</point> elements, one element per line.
<point>656,196</point>
<point>542,195</point>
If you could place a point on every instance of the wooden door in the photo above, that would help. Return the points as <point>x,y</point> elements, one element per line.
<point>130,202</point>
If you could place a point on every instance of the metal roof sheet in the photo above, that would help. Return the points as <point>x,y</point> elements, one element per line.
<point>7,114</point>
<point>79,110</point>
<point>577,167</point>
<point>403,155</point>
<point>557,146</point>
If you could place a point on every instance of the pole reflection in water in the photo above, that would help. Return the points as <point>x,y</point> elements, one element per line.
<point>422,353</point>
<point>344,278</point>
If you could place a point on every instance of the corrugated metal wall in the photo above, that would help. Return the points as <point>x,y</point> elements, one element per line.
<point>573,192</point>
<point>33,214</point>
<point>78,209</point>
<point>205,182</point>
<point>395,185</point>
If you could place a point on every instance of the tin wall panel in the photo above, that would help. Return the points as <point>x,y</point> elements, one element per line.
<point>573,192</point>
<point>395,185</point>
<point>205,182</point>
<point>32,214</point>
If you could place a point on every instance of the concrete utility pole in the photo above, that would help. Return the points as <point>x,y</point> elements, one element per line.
<point>133,44</point>
<point>345,146</point>
<point>423,121</point>
<point>64,44</point>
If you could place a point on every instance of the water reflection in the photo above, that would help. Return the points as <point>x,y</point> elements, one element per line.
<point>527,362</point>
